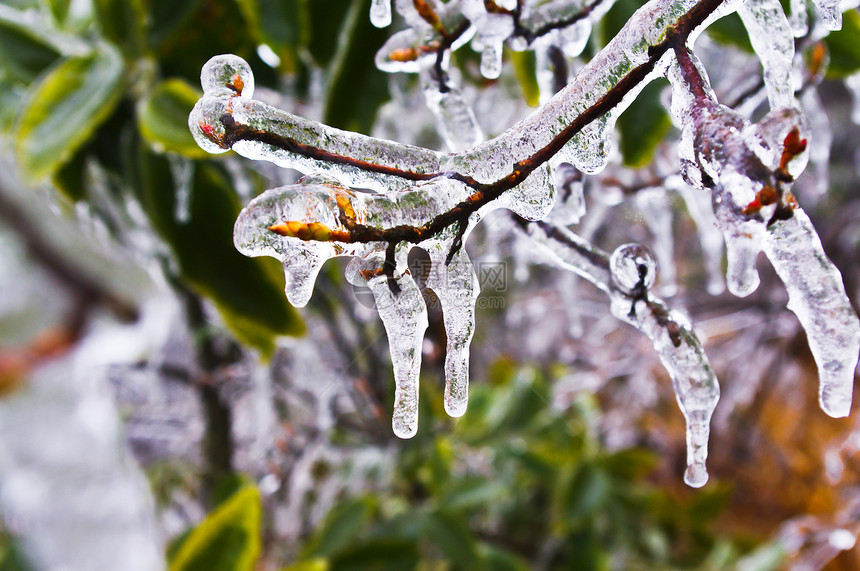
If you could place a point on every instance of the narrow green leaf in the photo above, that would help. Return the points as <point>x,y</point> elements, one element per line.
<point>643,126</point>
<point>499,559</point>
<point>356,87</point>
<point>70,179</point>
<point>524,66</point>
<point>123,23</point>
<point>453,538</point>
<point>844,47</point>
<point>227,540</point>
<point>59,10</point>
<point>730,31</point>
<point>309,565</point>
<point>67,106</point>
<point>25,51</point>
<point>326,21</point>
<point>342,526</point>
<point>283,25</point>
<point>379,554</point>
<point>162,118</point>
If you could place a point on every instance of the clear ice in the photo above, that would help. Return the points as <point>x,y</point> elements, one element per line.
<point>305,224</point>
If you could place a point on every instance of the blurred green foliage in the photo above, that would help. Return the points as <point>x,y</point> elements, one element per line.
<point>514,484</point>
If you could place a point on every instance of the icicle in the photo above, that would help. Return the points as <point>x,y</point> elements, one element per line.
<point>696,388</point>
<point>816,295</point>
<point>830,13</point>
<point>853,84</point>
<point>655,208</point>
<point>821,140</point>
<point>380,13</point>
<point>799,19</point>
<point>455,117</point>
<point>491,58</point>
<point>182,171</point>
<point>457,288</point>
<point>773,42</point>
<point>711,239</point>
<point>404,316</point>
<point>570,206</point>
<point>625,277</point>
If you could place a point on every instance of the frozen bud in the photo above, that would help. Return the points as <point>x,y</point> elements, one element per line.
<point>227,74</point>
<point>633,268</point>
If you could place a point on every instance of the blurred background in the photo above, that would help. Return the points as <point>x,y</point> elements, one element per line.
<point>162,405</point>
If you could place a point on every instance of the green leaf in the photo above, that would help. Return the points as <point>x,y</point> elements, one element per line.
<point>70,179</point>
<point>583,495</point>
<point>525,68</point>
<point>379,554</point>
<point>247,291</point>
<point>643,126</point>
<point>326,21</point>
<point>25,51</point>
<point>163,118</point>
<point>630,464</point>
<point>67,106</point>
<point>730,31</point>
<point>844,47</point>
<point>356,88</point>
<point>309,565</point>
<point>59,9</point>
<point>453,538</point>
<point>283,25</point>
<point>342,526</point>
<point>122,22</point>
<point>499,559</point>
<point>199,31</point>
<point>227,540</point>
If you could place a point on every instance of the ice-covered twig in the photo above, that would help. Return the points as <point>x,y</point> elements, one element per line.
<point>626,277</point>
<point>749,168</point>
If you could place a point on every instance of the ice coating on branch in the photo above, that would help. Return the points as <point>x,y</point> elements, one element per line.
<point>380,13</point>
<point>694,381</point>
<point>626,276</point>
<point>853,84</point>
<point>253,124</point>
<point>304,224</point>
<point>772,39</point>
<point>821,141</point>
<point>816,295</point>
<point>404,316</point>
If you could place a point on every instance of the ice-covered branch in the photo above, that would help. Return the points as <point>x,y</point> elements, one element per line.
<point>626,277</point>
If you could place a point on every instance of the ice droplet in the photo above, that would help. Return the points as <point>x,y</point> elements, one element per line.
<point>227,74</point>
<point>816,295</point>
<point>380,13</point>
<point>633,268</point>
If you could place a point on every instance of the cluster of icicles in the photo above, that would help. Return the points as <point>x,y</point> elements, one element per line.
<point>383,184</point>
